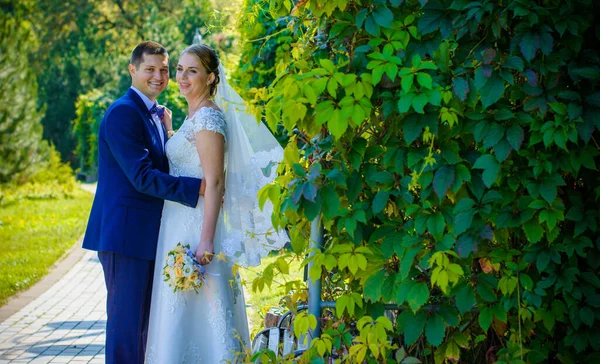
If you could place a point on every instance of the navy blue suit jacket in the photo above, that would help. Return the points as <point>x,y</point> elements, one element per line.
<point>133,182</point>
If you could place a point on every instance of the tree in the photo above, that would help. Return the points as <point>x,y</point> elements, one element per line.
<point>21,144</point>
<point>87,46</point>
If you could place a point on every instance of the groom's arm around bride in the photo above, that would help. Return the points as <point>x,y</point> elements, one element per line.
<point>133,182</point>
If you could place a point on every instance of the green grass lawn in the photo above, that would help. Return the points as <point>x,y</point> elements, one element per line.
<point>259,302</point>
<point>34,234</point>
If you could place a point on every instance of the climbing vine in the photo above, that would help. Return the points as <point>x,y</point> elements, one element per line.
<point>450,149</point>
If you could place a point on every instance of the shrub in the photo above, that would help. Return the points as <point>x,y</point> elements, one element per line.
<point>449,149</point>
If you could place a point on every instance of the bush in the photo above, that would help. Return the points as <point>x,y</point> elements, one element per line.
<point>449,148</point>
<point>53,180</point>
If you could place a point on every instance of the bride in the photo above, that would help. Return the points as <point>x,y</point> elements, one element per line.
<point>226,147</point>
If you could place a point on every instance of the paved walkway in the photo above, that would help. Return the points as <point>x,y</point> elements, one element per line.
<point>65,324</point>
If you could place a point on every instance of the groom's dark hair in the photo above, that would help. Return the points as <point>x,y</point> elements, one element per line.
<point>148,47</point>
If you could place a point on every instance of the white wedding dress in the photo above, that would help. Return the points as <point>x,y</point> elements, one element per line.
<point>211,326</point>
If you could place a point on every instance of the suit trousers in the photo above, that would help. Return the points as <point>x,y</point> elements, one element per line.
<point>129,290</point>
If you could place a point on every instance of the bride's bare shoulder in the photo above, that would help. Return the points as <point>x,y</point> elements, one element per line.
<point>214,106</point>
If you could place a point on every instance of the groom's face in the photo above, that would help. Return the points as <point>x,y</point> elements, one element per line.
<point>151,76</point>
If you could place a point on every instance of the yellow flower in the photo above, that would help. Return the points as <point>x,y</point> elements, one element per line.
<point>179,259</point>
<point>178,272</point>
<point>193,277</point>
<point>222,257</point>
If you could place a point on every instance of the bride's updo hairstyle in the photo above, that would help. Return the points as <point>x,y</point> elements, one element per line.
<point>209,59</point>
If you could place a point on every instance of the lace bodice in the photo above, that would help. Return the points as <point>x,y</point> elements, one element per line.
<point>181,148</point>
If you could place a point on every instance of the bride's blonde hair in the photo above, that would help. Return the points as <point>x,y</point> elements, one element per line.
<point>209,59</point>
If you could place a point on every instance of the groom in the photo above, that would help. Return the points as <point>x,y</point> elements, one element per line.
<point>133,182</point>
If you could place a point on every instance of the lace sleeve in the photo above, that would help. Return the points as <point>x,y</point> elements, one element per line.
<point>209,119</point>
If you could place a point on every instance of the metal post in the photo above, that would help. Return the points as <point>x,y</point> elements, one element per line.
<point>314,287</point>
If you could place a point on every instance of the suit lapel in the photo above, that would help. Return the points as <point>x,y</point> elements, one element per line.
<point>146,114</point>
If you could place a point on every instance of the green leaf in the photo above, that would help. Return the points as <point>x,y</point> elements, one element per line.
<point>490,167</point>
<point>331,203</point>
<point>465,245</point>
<point>495,132</point>
<point>542,261</point>
<point>373,286</point>
<point>383,16</point>
<point>514,63</point>
<point>425,179</point>
<point>548,190</point>
<point>492,91</point>
<point>337,177</point>
<point>407,82</point>
<point>546,43</point>
<point>311,209</point>
<point>443,179</point>
<point>526,282</point>
<point>462,222</point>
<point>587,316</point>
<point>424,80</point>
<point>418,296</point>
<point>337,124</point>
<point>450,152</point>
<point>515,136</point>
<point>405,103</point>
<point>332,86</point>
<point>378,74</point>
<point>480,79</point>
<point>383,177</point>
<point>371,26</point>
<point>465,299</point>
<point>529,45</point>
<point>485,318</point>
<point>449,315</point>
<point>434,97</point>
<point>465,204</point>
<point>419,102</point>
<point>502,150</point>
<point>434,331</point>
<point>533,230</point>
<point>436,225</point>
<point>460,88</point>
<point>463,172</point>
<point>503,114</point>
<point>414,327</point>
<point>452,352</point>
<point>360,17</point>
<point>380,201</point>
<point>558,107</point>
<point>309,191</point>
<point>445,243</point>
<point>407,261</point>
<point>310,93</point>
<point>402,291</point>
<point>413,125</point>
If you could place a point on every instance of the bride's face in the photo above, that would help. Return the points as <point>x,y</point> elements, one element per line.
<point>192,77</point>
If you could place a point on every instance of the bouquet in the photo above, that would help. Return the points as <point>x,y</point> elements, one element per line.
<point>182,271</point>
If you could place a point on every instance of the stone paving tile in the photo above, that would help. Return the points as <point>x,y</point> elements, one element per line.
<point>66,324</point>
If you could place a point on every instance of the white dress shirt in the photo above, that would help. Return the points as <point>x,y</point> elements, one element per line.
<point>149,104</point>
